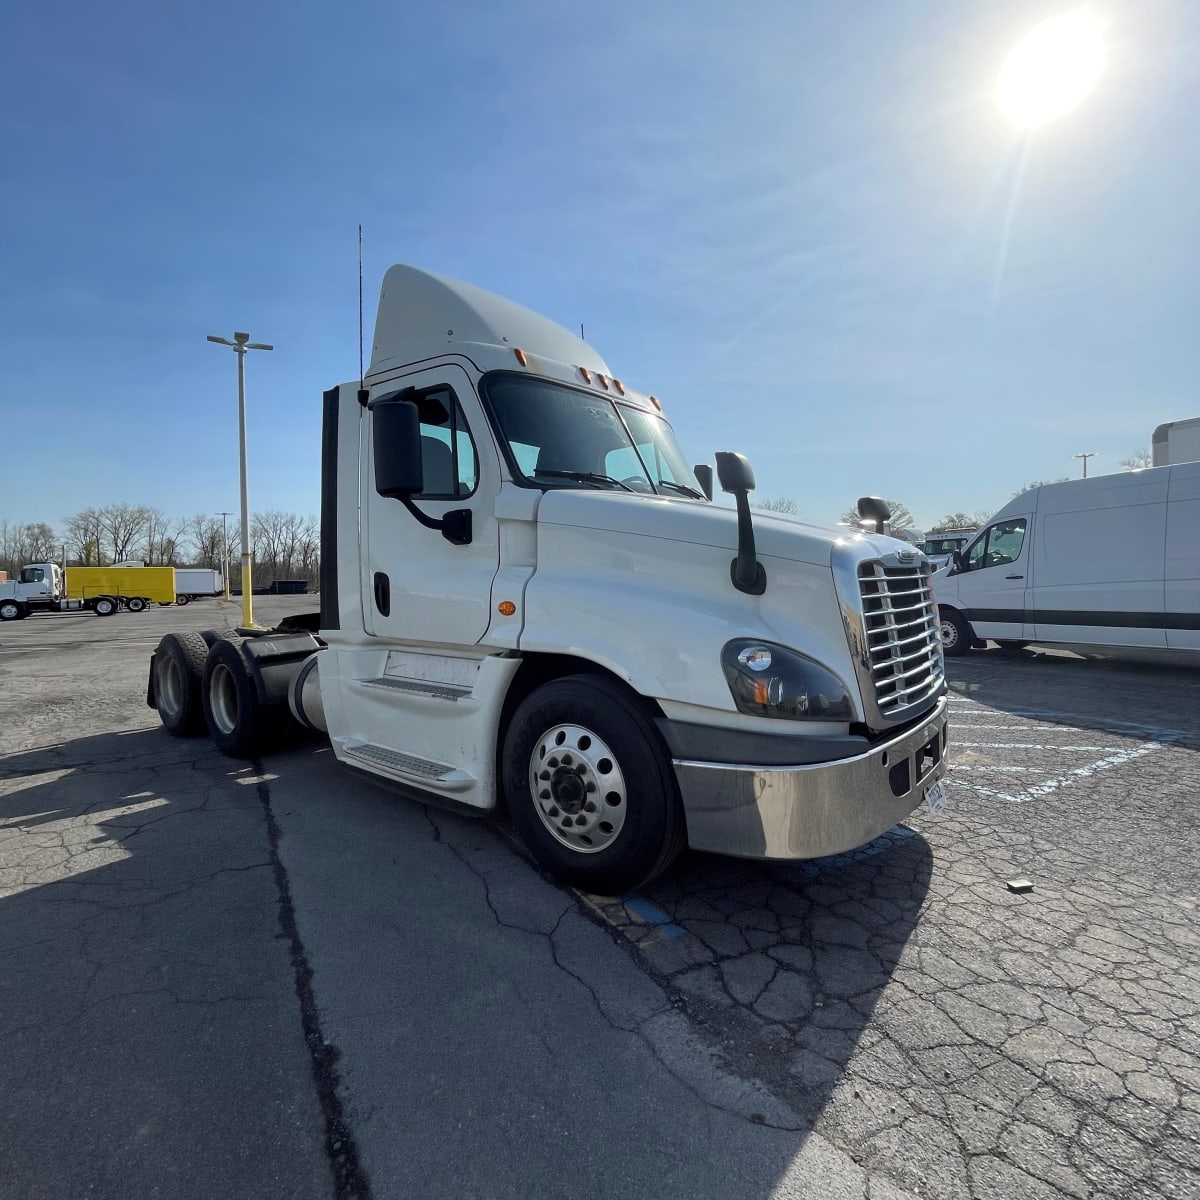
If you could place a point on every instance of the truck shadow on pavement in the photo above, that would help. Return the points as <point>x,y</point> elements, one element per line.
<point>147,1010</point>
<point>138,898</point>
<point>783,963</point>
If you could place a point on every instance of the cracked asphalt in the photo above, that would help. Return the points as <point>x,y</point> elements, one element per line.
<point>273,979</point>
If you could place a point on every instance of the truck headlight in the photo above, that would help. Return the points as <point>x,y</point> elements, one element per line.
<point>772,681</point>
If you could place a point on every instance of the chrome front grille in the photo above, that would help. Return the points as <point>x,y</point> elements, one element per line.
<point>901,651</point>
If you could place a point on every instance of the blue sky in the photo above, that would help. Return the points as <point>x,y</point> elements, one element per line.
<point>788,220</point>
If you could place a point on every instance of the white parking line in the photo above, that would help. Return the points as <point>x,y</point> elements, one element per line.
<point>1030,746</point>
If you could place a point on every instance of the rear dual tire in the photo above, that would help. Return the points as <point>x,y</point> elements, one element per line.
<point>239,723</point>
<point>178,673</point>
<point>104,606</point>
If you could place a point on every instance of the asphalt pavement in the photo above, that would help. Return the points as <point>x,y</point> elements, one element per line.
<point>272,979</point>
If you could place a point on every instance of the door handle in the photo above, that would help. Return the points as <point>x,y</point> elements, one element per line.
<point>1014,577</point>
<point>383,594</point>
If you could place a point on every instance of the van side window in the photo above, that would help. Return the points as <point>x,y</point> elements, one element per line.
<point>447,452</point>
<point>998,547</point>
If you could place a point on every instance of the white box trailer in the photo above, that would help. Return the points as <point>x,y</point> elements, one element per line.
<point>195,583</point>
<point>1176,442</point>
<point>1109,564</point>
<point>527,598</point>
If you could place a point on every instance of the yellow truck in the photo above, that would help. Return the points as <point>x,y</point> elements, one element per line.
<point>43,587</point>
<point>132,586</point>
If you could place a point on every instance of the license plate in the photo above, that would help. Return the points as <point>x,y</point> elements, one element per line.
<point>935,799</point>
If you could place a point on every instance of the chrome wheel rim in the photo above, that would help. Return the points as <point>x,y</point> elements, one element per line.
<point>578,788</point>
<point>9,612</point>
<point>223,698</point>
<point>168,686</point>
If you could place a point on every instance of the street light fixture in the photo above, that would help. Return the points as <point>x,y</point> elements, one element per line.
<point>1085,457</point>
<point>225,538</point>
<point>240,344</point>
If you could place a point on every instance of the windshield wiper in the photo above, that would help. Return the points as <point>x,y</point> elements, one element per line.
<point>586,477</point>
<point>682,488</point>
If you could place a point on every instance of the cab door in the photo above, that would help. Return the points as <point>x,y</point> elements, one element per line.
<point>995,582</point>
<point>416,585</point>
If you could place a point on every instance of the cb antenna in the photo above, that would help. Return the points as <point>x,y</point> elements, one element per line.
<point>360,323</point>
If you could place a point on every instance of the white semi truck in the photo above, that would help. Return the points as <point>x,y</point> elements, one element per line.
<point>528,599</point>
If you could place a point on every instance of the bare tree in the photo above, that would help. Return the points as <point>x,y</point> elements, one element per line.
<point>902,521</point>
<point>1137,461</point>
<point>206,542</point>
<point>85,538</point>
<point>162,536</point>
<point>123,525</point>
<point>959,520</point>
<point>780,504</point>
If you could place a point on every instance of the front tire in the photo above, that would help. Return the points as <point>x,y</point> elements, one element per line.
<point>10,610</point>
<point>957,634</point>
<point>589,786</point>
<point>239,724</point>
<point>178,673</point>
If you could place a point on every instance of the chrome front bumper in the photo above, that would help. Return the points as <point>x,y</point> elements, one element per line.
<point>813,810</point>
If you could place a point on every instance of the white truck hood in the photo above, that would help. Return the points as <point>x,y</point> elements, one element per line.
<point>698,523</point>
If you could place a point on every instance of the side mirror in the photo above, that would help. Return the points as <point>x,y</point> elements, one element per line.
<point>396,439</point>
<point>957,565</point>
<point>872,508</point>
<point>735,472</point>
<point>737,476</point>
<point>703,473</point>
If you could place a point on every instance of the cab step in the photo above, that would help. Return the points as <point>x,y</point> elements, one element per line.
<point>407,766</point>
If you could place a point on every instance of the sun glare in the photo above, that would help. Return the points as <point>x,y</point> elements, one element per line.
<point>1051,69</point>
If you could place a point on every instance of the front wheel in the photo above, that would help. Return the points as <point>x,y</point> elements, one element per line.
<point>10,610</point>
<point>956,633</point>
<point>589,787</point>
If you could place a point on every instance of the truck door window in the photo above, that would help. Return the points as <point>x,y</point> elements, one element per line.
<point>998,547</point>
<point>33,575</point>
<point>447,452</point>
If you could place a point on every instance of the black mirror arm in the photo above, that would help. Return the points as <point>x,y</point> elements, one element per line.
<point>747,573</point>
<point>455,526</point>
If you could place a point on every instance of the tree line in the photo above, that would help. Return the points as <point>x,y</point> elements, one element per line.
<point>284,545</point>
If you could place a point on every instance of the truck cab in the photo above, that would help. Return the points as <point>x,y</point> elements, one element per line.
<point>38,587</point>
<point>529,598</point>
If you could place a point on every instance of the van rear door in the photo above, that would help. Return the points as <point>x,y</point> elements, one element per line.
<point>1099,561</point>
<point>1182,584</point>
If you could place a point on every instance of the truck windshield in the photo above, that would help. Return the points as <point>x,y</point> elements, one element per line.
<point>559,436</point>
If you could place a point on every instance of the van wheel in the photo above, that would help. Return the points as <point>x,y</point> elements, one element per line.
<point>239,724</point>
<point>178,672</point>
<point>104,606</point>
<point>957,635</point>
<point>589,787</point>
<point>136,604</point>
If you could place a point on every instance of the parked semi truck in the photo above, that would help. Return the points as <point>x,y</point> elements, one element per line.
<point>45,587</point>
<point>528,598</point>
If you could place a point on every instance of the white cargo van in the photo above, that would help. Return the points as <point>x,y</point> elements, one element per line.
<point>1107,564</point>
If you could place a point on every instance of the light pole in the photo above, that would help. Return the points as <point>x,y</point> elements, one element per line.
<point>241,343</point>
<point>1085,457</point>
<point>225,537</point>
